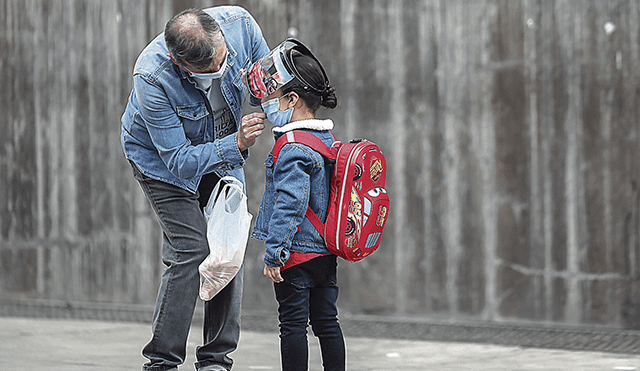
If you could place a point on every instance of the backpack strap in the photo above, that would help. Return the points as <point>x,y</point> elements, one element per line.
<point>317,223</point>
<point>308,139</point>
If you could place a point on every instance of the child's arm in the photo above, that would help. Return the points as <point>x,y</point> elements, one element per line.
<point>291,184</point>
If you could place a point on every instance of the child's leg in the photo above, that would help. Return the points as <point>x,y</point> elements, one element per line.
<point>324,320</point>
<point>293,315</point>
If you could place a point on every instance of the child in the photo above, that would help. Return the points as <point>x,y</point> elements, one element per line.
<point>292,85</point>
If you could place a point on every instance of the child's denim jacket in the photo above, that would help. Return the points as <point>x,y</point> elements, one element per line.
<point>301,178</point>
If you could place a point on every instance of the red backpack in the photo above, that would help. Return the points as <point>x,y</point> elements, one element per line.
<point>358,203</point>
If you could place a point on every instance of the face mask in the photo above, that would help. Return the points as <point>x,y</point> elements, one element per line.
<point>205,79</point>
<point>276,117</point>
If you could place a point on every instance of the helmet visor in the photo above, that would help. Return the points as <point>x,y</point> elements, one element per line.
<point>269,74</point>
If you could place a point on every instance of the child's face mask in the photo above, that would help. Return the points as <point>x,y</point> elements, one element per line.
<point>274,115</point>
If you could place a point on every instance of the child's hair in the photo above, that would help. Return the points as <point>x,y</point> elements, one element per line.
<point>311,72</point>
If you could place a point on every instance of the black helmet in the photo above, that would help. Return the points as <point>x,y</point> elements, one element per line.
<point>276,69</point>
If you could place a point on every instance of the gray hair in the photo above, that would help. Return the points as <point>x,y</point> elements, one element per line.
<point>192,37</point>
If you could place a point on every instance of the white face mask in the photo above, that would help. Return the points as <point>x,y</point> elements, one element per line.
<point>205,79</point>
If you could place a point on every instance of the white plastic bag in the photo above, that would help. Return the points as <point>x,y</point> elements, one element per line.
<point>228,223</point>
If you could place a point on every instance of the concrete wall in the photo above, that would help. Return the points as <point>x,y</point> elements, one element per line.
<point>511,130</point>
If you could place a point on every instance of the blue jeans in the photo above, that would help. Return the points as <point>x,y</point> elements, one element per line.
<point>184,248</point>
<point>308,295</point>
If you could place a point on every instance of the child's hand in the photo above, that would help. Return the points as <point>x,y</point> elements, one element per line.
<point>272,273</point>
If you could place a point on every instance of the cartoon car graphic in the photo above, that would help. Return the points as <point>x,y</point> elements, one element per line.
<point>359,213</point>
<point>354,219</point>
<point>374,193</point>
<point>369,205</point>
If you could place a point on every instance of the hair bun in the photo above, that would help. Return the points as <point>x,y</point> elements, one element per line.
<point>329,99</point>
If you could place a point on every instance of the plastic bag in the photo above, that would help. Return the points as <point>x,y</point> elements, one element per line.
<point>228,223</point>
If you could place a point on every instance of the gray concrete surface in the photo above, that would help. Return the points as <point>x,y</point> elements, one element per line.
<point>70,344</point>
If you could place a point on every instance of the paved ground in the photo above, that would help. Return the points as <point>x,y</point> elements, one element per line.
<point>89,345</point>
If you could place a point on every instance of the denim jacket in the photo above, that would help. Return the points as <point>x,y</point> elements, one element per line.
<point>167,126</point>
<point>299,179</point>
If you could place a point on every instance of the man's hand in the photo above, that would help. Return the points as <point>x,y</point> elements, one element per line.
<point>272,273</point>
<point>251,127</point>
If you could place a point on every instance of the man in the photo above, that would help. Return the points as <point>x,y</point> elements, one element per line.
<point>182,132</point>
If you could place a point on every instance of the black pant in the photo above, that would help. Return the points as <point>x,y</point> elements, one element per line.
<point>308,295</point>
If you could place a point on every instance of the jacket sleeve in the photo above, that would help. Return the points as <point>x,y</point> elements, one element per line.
<point>291,182</point>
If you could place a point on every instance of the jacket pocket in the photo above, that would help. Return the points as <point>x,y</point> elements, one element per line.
<point>194,119</point>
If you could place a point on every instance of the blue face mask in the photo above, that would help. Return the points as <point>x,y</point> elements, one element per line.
<point>276,117</point>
